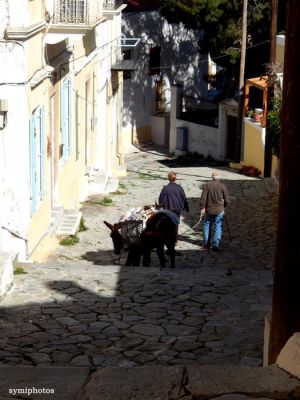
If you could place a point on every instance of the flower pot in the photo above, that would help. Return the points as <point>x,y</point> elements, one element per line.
<point>257,114</point>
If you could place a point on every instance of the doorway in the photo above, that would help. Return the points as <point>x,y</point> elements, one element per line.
<point>231,137</point>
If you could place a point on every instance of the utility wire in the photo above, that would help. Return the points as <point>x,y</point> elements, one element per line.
<point>153,68</point>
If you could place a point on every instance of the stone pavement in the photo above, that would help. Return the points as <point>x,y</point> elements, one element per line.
<point>84,308</point>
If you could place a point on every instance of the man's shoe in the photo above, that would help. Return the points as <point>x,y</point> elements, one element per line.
<point>214,248</point>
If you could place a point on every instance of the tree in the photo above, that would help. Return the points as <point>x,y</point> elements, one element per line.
<point>221,23</point>
<point>286,293</point>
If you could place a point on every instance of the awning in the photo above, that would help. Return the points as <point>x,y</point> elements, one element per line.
<point>124,65</point>
<point>129,42</point>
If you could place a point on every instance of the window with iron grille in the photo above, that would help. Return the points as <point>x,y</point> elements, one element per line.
<point>73,11</point>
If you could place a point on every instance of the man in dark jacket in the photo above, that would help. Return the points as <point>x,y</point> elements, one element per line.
<point>214,199</point>
<point>172,197</point>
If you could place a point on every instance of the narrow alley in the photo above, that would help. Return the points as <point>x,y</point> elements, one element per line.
<point>81,308</point>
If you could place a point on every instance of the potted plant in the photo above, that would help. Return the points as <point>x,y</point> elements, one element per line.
<point>250,114</point>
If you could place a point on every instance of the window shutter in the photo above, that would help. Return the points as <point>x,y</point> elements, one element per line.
<point>32,166</point>
<point>43,152</point>
<point>69,105</point>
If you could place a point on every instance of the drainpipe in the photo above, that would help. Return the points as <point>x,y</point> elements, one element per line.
<point>38,243</point>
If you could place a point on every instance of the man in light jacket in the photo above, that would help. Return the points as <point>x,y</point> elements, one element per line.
<point>214,199</point>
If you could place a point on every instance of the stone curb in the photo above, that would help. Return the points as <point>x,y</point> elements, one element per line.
<point>191,383</point>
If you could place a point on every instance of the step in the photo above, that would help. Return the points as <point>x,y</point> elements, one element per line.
<point>112,185</point>
<point>192,381</point>
<point>98,183</point>
<point>101,184</point>
<point>156,382</point>
<point>69,223</point>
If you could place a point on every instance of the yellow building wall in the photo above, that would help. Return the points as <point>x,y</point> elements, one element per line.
<point>41,220</point>
<point>36,11</point>
<point>34,52</point>
<point>280,49</point>
<point>275,164</point>
<point>254,146</point>
<point>70,173</point>
<point>41,242</point>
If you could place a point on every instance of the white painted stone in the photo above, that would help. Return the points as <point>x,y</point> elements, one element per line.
<point>6,273</point>
<point>289,357</point>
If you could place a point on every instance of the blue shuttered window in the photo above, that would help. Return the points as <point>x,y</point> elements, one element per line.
<point>66,118</point>
<point>37,158</point>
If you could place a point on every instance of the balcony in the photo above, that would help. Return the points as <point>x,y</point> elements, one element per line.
<point>77,14</point>
<point>111,5</point>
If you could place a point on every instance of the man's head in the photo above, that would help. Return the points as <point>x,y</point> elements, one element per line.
<point>172,176</point>
<point>215,174</point>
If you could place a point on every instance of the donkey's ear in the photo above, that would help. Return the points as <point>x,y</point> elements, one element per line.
<point>118,225</point>
<point>110,226</point>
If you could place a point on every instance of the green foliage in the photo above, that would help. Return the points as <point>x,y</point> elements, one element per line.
<point>82,226</point>
<point>221,22</point>
<point>19,271</point>
<point>274,118</point>
<point>145,176</point>
<point>69,240</point>
<point>107,201</point>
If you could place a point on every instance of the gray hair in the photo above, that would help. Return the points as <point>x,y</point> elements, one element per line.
<point>215,174</point>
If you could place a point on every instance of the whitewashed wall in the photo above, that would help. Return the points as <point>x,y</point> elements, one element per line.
<point>158,129</point>
<point>202,139</point>
<point>179,56</point>
<point>18,12</point>
<point>13,142</point>
<point>205,140</point>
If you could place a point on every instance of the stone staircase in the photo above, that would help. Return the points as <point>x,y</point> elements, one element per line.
<point>69,223</point>
<point>100,183</point>
<point>155,382</point>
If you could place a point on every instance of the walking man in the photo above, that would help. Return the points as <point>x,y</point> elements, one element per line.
<point>214,199</point>
<point>172,197</point>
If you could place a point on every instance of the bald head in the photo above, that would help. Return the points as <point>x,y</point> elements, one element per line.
<point>215,174</point>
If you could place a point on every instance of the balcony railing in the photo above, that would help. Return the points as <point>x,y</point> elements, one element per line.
<point>77,12</point>
<point>111,4</point>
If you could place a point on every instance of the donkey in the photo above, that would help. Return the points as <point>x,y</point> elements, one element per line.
<point>160,231</point>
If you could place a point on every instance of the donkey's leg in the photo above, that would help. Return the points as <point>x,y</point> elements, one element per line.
<point>136,256</point>
<point>171,251</point>
<point>146,256</point>
<point>129,260</point>
<point>161,256</point>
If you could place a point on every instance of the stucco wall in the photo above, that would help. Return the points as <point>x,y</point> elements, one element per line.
<point>14,188</point>
<point>179,59</point>
<point>202,139</point>
<point>254,145</point>
<point>20,61</point>
<point>158,129</point>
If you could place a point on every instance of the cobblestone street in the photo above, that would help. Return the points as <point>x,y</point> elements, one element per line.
<point>82,308</point>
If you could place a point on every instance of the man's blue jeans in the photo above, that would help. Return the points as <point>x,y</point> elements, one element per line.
<point>215,222</point>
